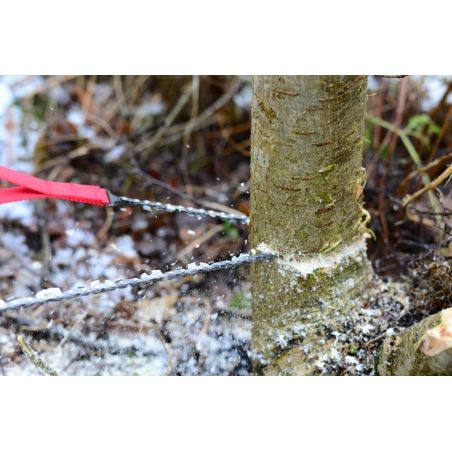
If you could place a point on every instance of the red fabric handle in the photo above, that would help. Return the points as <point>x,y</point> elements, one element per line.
<point>30,187</point>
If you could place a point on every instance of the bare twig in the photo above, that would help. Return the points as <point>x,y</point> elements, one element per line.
<point>117,84</point>
<point>148,146</point>
<point>412,152</point>
<point>197,242</point>
<point>194,108</point>
<point>431,186</point>
<point>150,180</point>
<point>177,131</point>
<point>34,357</point>
<point>436,164</point>
<point>399,112</point>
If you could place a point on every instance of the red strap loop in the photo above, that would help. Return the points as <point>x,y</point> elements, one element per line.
<point>30,187</point>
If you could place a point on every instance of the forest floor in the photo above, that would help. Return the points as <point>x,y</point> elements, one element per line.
<point>186,140</point>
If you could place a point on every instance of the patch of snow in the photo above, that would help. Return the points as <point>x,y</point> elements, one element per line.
<point>63,256</point>
<point>115,153</point>
<point>349,283</point>
<point>351,360</point>
<point>125,246</point>
<point>77,237</point>
<point>36,265</point>
<point>79,254</point>
<point>368,312</point>
<point>6,98</point>
<point>23,212</point>
<point>76,116</point>
<point>152,108</point>
<point>14,243</point>
<point>390,332</point>
<point>281,340</point>
<point>366,329</point>
<point>243,98</point>
<point>372,83</point>
<point>435,86</point>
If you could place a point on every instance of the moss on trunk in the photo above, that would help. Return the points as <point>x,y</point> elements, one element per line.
<point>306,204</point>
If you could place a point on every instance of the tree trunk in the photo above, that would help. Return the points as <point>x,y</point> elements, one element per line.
<point>423,349</point>
<point>306,204</point>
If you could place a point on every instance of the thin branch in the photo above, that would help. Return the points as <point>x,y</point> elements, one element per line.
<point>34,357</point>
<point>148,146</point>
<point>431,186</point>
<point>413,154</point>
<point>204,119</point>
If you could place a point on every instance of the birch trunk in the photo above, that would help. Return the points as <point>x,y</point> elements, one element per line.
<point>306,204</point>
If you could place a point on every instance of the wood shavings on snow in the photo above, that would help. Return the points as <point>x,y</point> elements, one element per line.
<point>376,315</point>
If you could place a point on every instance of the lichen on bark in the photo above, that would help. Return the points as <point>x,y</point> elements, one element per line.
<point>306,201</point>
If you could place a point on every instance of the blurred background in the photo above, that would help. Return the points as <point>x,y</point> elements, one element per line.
<point>186,140</point>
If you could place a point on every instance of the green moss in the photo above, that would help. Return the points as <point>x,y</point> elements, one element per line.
<point>240,301</point>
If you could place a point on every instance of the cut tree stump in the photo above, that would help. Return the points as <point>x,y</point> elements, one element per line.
<point>423,349</point>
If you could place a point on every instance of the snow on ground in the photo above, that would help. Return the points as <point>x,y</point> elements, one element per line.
<point>176,327</point>
<point>166,329</point>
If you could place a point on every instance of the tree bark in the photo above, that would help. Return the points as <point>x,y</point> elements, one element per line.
<point>423,349</point>
<point>306,204</point>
